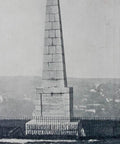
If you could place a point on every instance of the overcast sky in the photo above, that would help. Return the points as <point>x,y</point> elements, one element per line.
<point>91,37</point>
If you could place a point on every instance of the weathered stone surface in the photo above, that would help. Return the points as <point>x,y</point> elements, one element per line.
<point>51,17</point>
<point>59,75</point>
<point>56,25</point>
<point>48,58</point>
<point>58,58</point>
<point>51,50</point>
<point>53,53</point>
<point>53,66</point>
<point>57,41</point>
<point>52,75</point>
<point>55,102</point>
<point>48,41</point>
<point>52,34</point>
<point>58,50</point>
<point>52,9</point>
<point>52,2</point>
<point>58,33</point>
<point>48,25</point>
<point>47,18</point>
<point>53,83</point>
<point>54,90</point>
<point>55,99</point>
<point>57,17</point>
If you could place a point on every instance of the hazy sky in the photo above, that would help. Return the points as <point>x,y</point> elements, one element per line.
<point>91,36</point>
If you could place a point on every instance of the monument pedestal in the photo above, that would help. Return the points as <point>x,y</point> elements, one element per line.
<point>53,110</point>
<point>55,102</point>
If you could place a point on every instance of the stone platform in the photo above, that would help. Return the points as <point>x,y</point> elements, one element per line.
<point>52,114</point>
<point>34,127</point>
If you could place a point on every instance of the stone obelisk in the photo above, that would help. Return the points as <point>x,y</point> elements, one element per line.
<point>54,100</point>
<point>54,70</point>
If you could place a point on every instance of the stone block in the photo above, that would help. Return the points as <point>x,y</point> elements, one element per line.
<point>57,18</point>
<point>61,83</point>
<point>59,75</point>
<point>55,106</point>
<point>51,17</point>
<point>58,34</point>
<point>51,49</point>
<point>58,58</point>
<point>48,58</point>
<point>52,33</point>
<point>52,2</point>
<point>56,25</point>
<point>59,66</point>
<point>53,66</point>
<point>48,25</point>
<point>52,74</point>
<point>52,9</point>
<point>53,83</point>
<point>48,41</point>
<point>57,41</point>
<point>58,49</point>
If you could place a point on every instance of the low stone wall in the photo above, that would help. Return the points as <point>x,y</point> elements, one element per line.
<point>92,128</point>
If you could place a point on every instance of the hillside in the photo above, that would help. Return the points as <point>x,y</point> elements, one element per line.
<point>92,97</point>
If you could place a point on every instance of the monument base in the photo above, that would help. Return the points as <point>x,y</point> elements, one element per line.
<point>53,102</point>
<point>36,128</point>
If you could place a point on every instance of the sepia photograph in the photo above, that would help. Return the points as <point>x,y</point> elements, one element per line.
<point>59,71</point>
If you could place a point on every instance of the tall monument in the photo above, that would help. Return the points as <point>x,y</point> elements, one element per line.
<point>54,100</point>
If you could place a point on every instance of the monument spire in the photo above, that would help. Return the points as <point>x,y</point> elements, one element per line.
<point>54,70</point>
